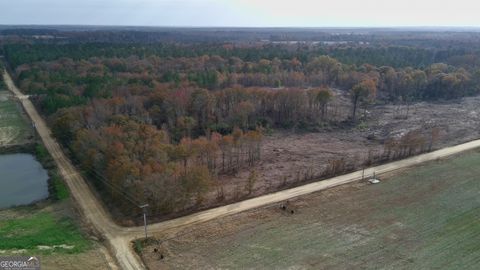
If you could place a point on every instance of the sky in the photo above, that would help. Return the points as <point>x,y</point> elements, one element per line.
<point>243,13</point>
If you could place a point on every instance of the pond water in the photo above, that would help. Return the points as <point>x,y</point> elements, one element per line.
<point>23,180</point>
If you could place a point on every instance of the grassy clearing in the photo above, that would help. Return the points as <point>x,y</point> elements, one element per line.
<point>51,225</point>
<point>42,229</point>
<point>14,127</point>
<point>425,218</point>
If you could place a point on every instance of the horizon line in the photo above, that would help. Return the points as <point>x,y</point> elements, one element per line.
<point>252,27</point>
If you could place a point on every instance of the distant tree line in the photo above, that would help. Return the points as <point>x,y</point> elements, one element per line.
<point>397,56</point>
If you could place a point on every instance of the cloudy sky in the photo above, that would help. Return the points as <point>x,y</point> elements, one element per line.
<point>251,13</point>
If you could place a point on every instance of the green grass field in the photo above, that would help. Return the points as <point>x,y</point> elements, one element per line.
<point>14,126</point>
<point>49,231</point>
<point>32,228</point>
<point>425,218</point>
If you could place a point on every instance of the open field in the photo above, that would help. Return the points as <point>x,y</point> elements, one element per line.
<point>423,218</point>
<point>14,128</point>
<point>48,231</point>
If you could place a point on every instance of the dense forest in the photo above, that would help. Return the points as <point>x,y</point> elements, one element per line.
<point>159,122</point>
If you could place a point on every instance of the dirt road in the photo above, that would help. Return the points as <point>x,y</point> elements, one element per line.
<point>119,238</point>
<point>91,208</point>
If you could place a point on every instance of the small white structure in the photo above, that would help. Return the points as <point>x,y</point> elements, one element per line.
<point>373,181</point>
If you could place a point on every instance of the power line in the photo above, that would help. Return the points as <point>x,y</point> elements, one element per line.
<point>118,189</point>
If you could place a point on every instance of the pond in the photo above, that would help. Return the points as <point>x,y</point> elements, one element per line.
<point>23,180</point>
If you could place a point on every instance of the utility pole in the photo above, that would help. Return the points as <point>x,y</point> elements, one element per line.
<point>144,208</point>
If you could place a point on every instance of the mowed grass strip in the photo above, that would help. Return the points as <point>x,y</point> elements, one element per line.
<point>13,125</point>
<point>42,229</point>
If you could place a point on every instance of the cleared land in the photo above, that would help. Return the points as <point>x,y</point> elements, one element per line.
<point>14,129</point>
<point>288,156</point>
<point>424,218</point>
